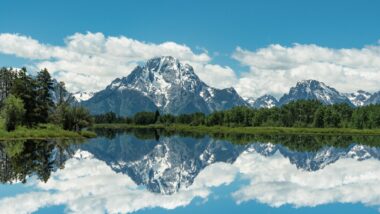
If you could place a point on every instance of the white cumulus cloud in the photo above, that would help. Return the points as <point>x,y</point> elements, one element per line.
<point>274,69</point>
<point>275,181</point>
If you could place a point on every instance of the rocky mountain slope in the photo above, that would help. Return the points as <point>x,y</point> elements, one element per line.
<point>373,99</point>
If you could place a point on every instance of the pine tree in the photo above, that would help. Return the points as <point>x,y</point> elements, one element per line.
<point>7,77</point>
<point>24,88</point>
<point>44,100</point>
<point>156,116</point>
<point>319,118</point>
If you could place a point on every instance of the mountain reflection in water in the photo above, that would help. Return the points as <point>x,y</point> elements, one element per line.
<point>129,171</point>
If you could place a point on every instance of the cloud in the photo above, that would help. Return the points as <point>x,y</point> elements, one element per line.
<point>23,46</point>
<point>216,75</point>
<point>89,62</point>
<point>276,68</point>
<point>276,181</point>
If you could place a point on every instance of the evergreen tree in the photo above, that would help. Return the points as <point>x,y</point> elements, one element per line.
<point>44,100</point>
<point>24,88</point>
<point>7,77</point>
<point>319,116</point>
<point>63,96</point>
<point>156,116</point>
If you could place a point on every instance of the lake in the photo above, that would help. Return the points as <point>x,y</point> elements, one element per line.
<point>153,171</point>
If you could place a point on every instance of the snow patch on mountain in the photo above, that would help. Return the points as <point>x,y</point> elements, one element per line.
<point>83,96</point>
<point>250,100</point>
<point>358,98</point>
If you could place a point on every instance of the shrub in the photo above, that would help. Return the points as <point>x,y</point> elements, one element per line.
<point>13,112</point>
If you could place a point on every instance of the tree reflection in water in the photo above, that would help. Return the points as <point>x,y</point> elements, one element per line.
<point>297,143</point>
<point>24,158</point>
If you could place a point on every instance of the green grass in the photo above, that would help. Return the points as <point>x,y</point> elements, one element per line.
<point>44,131</point>
<point>248,130</point>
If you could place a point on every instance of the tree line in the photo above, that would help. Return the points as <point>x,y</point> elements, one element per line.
<point>301,113</point>
<point>28,100</point>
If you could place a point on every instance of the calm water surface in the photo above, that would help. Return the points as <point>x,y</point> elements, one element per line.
<point>153,172</point>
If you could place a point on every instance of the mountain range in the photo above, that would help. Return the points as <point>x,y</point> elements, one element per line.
<point>167,85</point>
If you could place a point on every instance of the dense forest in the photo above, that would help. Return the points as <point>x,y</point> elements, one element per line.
<point>302,113</point>
<point>28,101</point>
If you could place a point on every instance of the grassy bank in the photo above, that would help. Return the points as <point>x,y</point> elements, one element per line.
<point>247,130</point>
<point>46,131</point>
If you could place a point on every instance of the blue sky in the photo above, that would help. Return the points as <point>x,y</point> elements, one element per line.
<point>217,26</point>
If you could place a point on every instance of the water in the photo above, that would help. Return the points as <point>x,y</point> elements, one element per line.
<point>151,171</point>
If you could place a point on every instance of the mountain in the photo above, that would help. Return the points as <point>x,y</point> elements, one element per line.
<point>83,96</point>
<point>314,90</point>
<point>165,84</point>
<point>265,101</point>
<point>358,98</point>
<point>374,99</point>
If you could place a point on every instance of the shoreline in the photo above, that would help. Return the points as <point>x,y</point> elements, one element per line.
<point>244,130</point>
<point>44,132</point>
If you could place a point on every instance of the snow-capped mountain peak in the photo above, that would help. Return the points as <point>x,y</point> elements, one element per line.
<point>170,86</point>
<point>314,90</point>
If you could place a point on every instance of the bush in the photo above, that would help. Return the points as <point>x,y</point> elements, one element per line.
<point>74,118</point>
<point>13,112</point>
